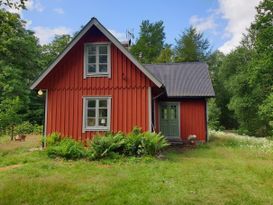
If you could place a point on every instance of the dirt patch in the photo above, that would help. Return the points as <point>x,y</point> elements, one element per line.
<point>10,167</point>
<point>104,166</point>
<point>32,141</point>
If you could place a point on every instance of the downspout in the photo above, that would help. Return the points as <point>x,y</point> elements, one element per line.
<point>153,109</point>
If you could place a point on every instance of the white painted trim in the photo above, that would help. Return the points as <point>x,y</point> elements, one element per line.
<point>96,128</point>
<point>207,120</point>
<point>155,120</point>
<point>150,108</point>
<point>85,60</point>
<point>178,111</point>
<point>46,103</point>
<point>95,22</point>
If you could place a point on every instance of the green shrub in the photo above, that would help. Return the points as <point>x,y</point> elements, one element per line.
<point>38,129</point>
<point>109,145</point>
<point>68,149</point>
<point>153,143</point>
<point>53,139</point>
<point>24,128</point>
<point>106,145</point>
<point>147,143</point>
<point>136,143</point>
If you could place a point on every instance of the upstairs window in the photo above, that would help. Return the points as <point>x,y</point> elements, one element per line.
<point>97,59</point>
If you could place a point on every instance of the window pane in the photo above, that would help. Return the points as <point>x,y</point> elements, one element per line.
<point>92,103</point>
<point>91,113</point>
<point>103,68</point>
<point>91,68</point>
<point>91,50</point>
<point>173,112</point>
<point>103,49</point>
<point>103,112</point>
<point>92,59</point>
<point>103,58</point>
<point>102,103</point>
<point>164,113</point>
<point>91,122</point>
<point>102,121</point>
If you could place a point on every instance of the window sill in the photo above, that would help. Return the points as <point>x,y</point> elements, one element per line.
<point>98,75</point>
<point>96,129</point>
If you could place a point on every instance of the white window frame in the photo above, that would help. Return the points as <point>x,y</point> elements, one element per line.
<point>97,73</point>
<point>96,127</point>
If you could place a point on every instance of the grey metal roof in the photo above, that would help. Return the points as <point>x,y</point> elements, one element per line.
<point>190,79</point>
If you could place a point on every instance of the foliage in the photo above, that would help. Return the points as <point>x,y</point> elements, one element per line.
<point>136,143</point>
<point>166,55</point>
<point>51,50</point>
<point>191,46</point>
<point>106,145</point>
<point>68,149</point>
<point>24,128</point>
<point>9,115</point>
<point>37,129</point>
<point>153,143</point>
<point>213,115</point>
<point>19,50</point>
<point>150,42</point>
<point>53,139</point>
<point>243,79</point>
<point>13,4</point>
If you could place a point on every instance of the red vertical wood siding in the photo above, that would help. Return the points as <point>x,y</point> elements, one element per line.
<point>128,88</point>
<point>193,119</point>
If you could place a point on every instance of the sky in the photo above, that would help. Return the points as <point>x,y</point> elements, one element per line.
<point>223,22</point>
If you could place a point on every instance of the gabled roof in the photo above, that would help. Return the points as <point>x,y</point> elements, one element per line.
<point>95,22</point>
<point>189,79</point>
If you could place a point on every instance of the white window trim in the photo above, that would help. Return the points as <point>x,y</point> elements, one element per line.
<point>97,74</point>
<point>96,128</point>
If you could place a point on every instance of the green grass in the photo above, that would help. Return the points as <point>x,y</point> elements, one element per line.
<point>229,170</point>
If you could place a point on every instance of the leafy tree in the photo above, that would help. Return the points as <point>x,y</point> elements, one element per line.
<point>9,116</point>
<point>166,55</point>
<point>244,79</point>
<point>150,42</point>
<point>219,73</point>
<point>14,4</point>
<point>191,46</point>
<point>20,63</point>
<point>214,113</point>
<point>52,50</point>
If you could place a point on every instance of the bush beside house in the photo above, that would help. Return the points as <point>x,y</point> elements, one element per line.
<point>109,145</point>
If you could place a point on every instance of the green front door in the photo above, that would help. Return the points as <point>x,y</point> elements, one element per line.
<point>169,119</point>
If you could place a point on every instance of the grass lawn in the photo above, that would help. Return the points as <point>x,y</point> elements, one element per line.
<point>228,170</point>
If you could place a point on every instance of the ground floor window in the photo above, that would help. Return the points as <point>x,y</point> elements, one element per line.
<point>96,115</point>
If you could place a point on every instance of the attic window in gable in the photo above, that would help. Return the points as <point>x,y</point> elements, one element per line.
<point>97,60</point>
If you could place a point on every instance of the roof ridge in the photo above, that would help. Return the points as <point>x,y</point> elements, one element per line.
<point>176,63</point>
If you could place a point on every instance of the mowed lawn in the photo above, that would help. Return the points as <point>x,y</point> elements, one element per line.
<point>228,170</point>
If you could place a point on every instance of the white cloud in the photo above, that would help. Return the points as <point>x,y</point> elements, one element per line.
<point>239,15</point>
<point>46,34</point>
<point>58,10</point>
<point>120,36</point>
<point>203,24</point>
<point>34,5</point>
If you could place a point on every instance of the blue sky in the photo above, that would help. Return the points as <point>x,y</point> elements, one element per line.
<point>222,21</point>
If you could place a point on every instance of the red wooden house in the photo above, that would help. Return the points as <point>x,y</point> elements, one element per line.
<point>96,85</point>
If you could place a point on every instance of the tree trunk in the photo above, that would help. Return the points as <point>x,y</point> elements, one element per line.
<point>12,132</point>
